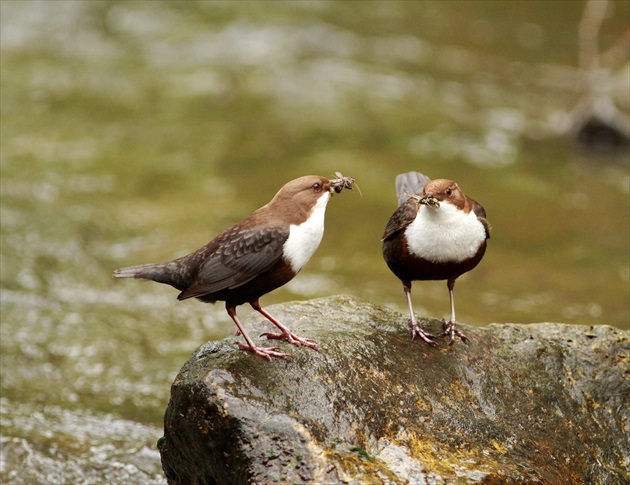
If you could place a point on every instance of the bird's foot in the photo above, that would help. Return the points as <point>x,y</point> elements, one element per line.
<point>292,339</point>
<point>426,336</point>
<point>450,329</point>
<point>264,352</point>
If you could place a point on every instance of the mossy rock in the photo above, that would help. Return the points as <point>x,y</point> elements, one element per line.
<point>538,403</point>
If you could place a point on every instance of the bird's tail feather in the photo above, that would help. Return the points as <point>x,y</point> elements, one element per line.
<point>160,273</point>
<point>143,271</point>
<point>410,183</point>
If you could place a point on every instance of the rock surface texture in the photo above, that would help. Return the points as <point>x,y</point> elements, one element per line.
<point>539,403</point>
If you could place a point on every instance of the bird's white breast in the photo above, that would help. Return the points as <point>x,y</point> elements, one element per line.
<point>445,234</point>
<point>304,238</point>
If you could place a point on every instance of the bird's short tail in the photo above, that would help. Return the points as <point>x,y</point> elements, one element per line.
<point>142,271</point>
<point>166,273</point>
<point>410,183</point>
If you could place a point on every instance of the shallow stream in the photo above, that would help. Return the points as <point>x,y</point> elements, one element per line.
<point>134,132</point>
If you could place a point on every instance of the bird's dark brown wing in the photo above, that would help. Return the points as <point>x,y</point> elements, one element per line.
<point>241,255</point>
<point>401,218</point>
<point>410,183</point>
<point>481,215</point>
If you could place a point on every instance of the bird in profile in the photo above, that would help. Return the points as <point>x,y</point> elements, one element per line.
<point>437,233</point>
<point>253,257</point>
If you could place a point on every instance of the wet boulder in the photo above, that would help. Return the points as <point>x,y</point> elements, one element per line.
<point>538,403</point>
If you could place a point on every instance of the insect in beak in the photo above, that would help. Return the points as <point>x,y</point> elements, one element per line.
<point>341,183</point>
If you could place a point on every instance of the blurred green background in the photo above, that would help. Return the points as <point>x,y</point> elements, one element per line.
<point>134,132</point>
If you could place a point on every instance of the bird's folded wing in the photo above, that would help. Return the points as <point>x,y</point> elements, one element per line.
<point>481,215</point>
<point>242,254</point>
<point>401,218</point>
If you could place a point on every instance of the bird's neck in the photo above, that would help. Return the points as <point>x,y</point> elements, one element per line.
<point>304,237</point>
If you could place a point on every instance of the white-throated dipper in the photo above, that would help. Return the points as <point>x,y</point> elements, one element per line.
<point>255,256</point>
<point>437,233</point>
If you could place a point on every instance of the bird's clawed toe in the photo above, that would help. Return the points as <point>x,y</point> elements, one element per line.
<point>292,339</point>
<point>264,352</point>
<point>428,338</point>
<point>451,330</point>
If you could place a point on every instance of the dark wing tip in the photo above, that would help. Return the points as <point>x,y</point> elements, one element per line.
<point>480,212</point>
<point>400,219</point>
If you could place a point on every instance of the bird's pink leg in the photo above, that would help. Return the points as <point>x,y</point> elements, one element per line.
<point>285,333</point>
<point>265,352</point>
<point>450,327</point>
<point>415,327</point>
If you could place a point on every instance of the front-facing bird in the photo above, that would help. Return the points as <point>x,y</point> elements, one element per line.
<point>255,256</point>
<point>437,233</point>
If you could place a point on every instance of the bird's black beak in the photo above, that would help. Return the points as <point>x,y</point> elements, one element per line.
<point>429,200</point>
<point>426,199</point>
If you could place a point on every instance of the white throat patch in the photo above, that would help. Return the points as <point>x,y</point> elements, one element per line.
<point>445,234</point>
<point>304,238</point>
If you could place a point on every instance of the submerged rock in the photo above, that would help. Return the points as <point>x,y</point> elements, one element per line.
<point>538,403</point>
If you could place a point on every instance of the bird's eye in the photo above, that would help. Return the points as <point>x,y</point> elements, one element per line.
<point>449,191</point>
<point>317,186</point>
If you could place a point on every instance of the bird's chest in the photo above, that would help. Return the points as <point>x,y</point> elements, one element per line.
<point>304,238</point>
<point>446,234</point>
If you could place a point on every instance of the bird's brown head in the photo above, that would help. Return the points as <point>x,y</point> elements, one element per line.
<point>442,190</point>
<point>310,188</point>
<point>304,190</point>
<point>295,200</point>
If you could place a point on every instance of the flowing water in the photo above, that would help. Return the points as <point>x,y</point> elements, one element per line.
<point>134,132</point>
